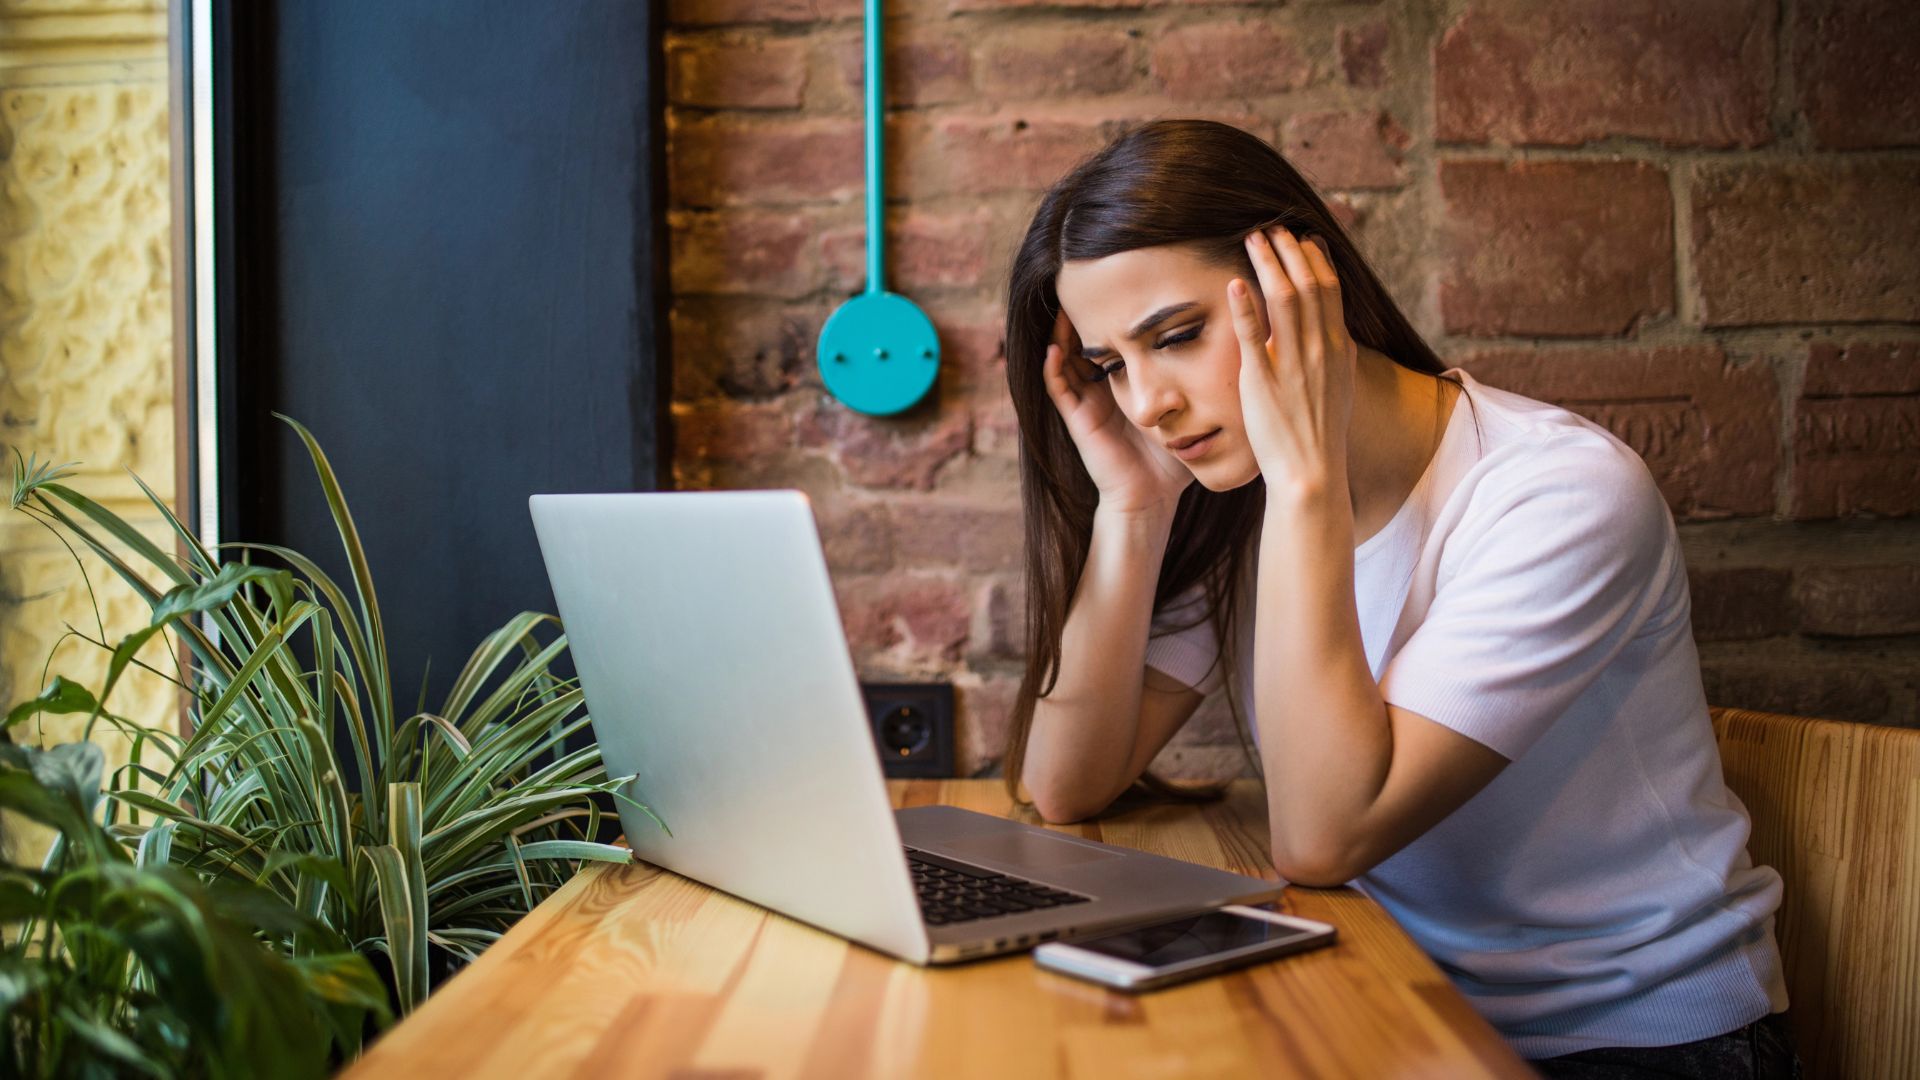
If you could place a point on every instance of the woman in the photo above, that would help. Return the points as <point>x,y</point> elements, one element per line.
<point>1454,620</point>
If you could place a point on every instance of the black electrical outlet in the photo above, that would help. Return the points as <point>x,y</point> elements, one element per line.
<point>912,726</point>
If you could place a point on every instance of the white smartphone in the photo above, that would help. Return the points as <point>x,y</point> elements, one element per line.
<point>1149,957</point>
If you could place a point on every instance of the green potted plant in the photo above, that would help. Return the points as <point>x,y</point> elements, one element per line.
<point>115,969</point>
<point>464,816</point>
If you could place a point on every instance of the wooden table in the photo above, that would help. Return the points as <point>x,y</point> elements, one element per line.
<point>635,971</point>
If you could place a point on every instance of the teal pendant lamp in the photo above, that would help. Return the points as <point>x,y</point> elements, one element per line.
<point>878,352</point>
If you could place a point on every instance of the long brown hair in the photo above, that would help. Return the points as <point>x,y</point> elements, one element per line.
<point>1205,185</point>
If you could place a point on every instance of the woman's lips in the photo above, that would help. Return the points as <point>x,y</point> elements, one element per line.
<point>1197,449</point>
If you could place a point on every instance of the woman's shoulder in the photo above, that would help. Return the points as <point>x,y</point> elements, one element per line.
<point>1529,442</point>
<point>1571,472</point>
<point>1508,419</point>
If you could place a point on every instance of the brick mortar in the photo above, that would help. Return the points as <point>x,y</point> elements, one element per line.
<point>1762,543</point>
<point>1668,332</point>
<point>1791,371</point>
<point>1790,127</point>
<point>1424,164</point>
<point>1686,287</point>
<point>1896,657</point>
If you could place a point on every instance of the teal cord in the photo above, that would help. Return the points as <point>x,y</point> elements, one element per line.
<point>876,144</point>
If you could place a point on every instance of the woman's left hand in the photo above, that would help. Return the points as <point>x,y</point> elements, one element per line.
<point>1296,381</point>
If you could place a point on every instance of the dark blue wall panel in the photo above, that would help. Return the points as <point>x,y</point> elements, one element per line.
<point>447,261</point>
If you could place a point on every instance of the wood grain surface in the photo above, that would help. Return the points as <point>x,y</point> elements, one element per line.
<point>1836,809</point>
<point>636,971</point>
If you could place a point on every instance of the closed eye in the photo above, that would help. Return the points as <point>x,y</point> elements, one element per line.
<point>1107,371</point>
<point>1180,338</point>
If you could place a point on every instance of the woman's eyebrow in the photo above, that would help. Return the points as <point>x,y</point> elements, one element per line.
<point>1145,325</point>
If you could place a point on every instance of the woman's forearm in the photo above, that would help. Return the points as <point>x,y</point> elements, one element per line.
<point>1081,746</point>
<point>1324,732</point>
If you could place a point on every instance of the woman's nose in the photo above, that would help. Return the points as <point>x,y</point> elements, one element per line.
<point>1150,396</point>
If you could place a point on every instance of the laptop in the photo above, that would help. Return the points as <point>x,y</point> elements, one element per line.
<point>710,651</point>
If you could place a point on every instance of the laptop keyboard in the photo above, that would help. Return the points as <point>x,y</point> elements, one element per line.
<point>952,892</point>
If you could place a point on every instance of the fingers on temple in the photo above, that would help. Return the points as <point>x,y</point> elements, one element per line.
<point>1060,384</point>
<point>1063,335</point>
<point>1246,314</point>
<point>1062,353</point>
<point>1280,294</point>
<point>1332,310</point>
<point>1293,260</point>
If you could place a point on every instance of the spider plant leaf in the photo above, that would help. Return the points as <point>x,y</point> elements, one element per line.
<point>493,650</point>
<point>203,560</point>
<point>450,746</point>
<point>323,658</point>
<point>457,842</point>
<point>450,734</point>
<point>336,598</point>
<point>402,886</point>
<point>503,750</point>
<point>212,714</point>
<point>132,772</point>
<point>332,793</point>
<point>118,565</point>
<point>403,941</point>
<point>545,684</point>
<point>519,869</point>
<point>249,630</point>
<point>220,589</point>
<point>230,803</point>
<point>466,943</point>
<point>156,845</point>
<point>30,473</point>
<point>362,754</point>
<point>450,913</point>
<point>154,804</point>
<point>317,866</point>
<point>464,937</point>
<point>513,687</point>
<point>576,849</point>
<point>543,825</point>
<point>377,672</point>
<point>404,829</point>
<point>113,523</point>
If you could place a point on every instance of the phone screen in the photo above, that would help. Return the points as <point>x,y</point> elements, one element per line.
<point>1190,938</point>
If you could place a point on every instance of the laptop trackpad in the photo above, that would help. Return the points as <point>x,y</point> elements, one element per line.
<point>1022,847</point>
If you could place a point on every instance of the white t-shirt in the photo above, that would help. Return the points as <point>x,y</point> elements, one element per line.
<point>1530,595</point>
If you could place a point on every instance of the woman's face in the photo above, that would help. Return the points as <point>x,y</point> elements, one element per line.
<point>1176,376</point>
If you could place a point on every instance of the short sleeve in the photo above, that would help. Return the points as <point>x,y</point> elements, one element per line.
<point>1181,651</point>
<point>1552,570</point>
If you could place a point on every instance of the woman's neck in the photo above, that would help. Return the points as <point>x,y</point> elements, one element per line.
<point>1398,417</point>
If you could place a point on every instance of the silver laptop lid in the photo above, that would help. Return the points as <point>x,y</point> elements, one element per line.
<point>710,651</point>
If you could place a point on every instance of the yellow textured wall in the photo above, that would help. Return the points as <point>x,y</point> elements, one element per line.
<point>85,324</point>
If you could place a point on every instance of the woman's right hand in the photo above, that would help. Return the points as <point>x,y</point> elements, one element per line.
<point>1132,471</point>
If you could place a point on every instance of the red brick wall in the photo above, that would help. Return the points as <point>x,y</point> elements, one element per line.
<point>1692,220</point>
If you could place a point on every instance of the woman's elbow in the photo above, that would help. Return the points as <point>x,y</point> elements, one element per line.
<point>1062,804</point>
<point>1060,799</point>
<point>1323,868</point>
<point>1314,875</point>
<point>1054,809</point>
